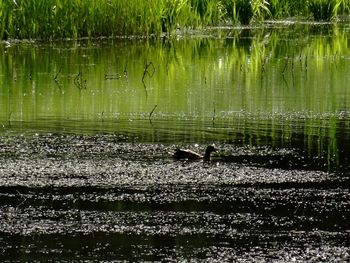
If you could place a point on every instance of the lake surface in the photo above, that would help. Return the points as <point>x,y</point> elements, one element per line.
<point>87,130</point>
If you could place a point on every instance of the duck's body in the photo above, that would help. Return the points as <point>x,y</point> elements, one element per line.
<point>187,154</point>
<point>191,155</point>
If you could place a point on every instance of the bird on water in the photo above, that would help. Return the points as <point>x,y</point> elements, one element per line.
<point>191,155</point>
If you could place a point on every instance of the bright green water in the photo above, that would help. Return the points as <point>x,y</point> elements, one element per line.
<point>285,87</point>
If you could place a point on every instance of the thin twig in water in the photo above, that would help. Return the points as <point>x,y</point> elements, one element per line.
<point>145,87</point>
<point>59,71</point>
<point>150,114</point>
<point>147,72</point>
<point>144,73</point>
<point>57,81</point>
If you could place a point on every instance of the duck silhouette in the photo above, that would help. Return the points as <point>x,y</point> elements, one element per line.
<point>191,155</point>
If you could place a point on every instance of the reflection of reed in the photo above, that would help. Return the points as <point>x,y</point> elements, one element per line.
<point>56,78</point>
<point>151,113</point>
<point>197,78</point>
<point>146,72</point>
<point>79,82</point>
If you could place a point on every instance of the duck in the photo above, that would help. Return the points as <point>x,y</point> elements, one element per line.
<point>191,155</point>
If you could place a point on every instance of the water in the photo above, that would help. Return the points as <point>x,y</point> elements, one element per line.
<point>88,128</point>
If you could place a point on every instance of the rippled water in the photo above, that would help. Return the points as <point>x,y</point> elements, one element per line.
<point>88,128</point>
<point>100,198</point>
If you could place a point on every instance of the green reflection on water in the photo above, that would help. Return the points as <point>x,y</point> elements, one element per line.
<point>268,86</point>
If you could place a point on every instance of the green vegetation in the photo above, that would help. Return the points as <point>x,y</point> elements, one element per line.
<point>54,19</point>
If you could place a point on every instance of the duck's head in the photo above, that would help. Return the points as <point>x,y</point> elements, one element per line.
<point>208,151</point>
<point>211,148</point>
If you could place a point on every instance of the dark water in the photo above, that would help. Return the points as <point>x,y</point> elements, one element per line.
<point>87,130</point>
<point>76,198</point>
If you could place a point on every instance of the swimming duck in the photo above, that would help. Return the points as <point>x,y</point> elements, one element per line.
<point>191,155</point>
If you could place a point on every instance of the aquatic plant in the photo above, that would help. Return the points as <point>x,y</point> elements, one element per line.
<point>341,7</point>
<point>284,8</point>
<point>260,8</point>
<point>240,11</point>
<point>322,9</point>
<point>328,9</point>
<point>54,19</point>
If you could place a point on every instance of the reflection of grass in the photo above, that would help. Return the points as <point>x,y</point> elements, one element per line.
<point>262,84</point>
<point>81,18</point>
